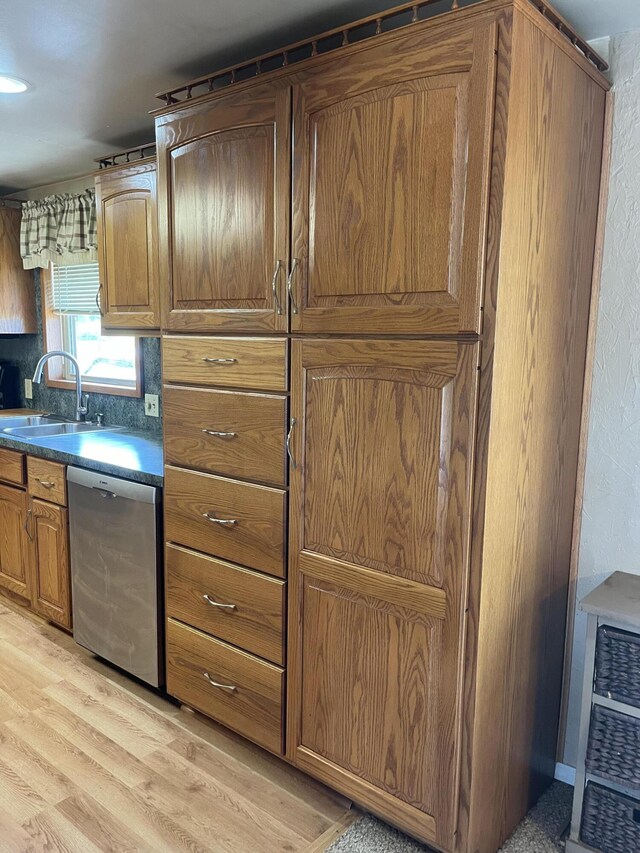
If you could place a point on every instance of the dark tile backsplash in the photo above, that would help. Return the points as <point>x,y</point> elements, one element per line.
<point>25,350</point>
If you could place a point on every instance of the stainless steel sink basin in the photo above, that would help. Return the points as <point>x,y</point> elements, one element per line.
<point>40,431</point>
<point>10,421</point>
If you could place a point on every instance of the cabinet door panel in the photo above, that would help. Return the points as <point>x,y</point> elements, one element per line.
<point>128,247</point>
<point>390,186</point>
<point>380,520</point>
<point>14,552</point>
<point>374,688</point>
<point>52,579</point>
<point>224,173</point>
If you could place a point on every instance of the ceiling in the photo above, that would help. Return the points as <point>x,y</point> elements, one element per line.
<point>95,67</point>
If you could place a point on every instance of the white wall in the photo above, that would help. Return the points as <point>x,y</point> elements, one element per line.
<point>611,515</point>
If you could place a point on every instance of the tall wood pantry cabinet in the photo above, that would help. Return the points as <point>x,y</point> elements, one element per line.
<point>379,259</point>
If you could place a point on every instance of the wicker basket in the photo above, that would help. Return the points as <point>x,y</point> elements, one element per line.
<point>613,751</point>
<point>610,821</point>
<point>618,665</point>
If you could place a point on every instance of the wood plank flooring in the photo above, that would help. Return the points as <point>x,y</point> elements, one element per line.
<point>92,761</point>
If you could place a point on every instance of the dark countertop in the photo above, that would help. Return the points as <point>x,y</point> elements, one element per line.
<point>131,454</point>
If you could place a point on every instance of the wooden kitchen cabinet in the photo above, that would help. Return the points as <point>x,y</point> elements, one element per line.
<point>242,691</point>
<point>390,186</point>
<point>379,556</point>
<point>128,246</point>
<point>34,535</point>
<point>51,595</point>
<point>15,576</point>
<point>48,531</point>
<point>443,209</point>
<point>223,213</point>
<point>388,203</point>
<point>17,285</point>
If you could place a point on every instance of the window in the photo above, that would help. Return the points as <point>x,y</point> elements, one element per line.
<point>109,364</point>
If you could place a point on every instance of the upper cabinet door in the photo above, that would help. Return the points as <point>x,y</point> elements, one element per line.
<point>17,293</point>
<point>390,184</point>
<point>224,212</point>
<point>128,247</point>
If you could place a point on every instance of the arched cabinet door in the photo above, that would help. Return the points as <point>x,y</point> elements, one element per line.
<point>52,575</point>
<point>391,146</point>
<point>379,529</point>
<point>128,247</point>
<point>224,212</point>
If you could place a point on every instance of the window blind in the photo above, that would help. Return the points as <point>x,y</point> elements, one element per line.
<point>74,289</point>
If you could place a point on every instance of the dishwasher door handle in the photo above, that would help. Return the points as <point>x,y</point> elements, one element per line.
<point>104,493</point>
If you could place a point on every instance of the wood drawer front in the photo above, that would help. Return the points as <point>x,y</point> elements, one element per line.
<point>229,362</point>
<point>251,611</point>
<point>252,444</point>
<point>12,466</point>
<point>254,708</point>
<point>255,540</point>
<point>47,480</point>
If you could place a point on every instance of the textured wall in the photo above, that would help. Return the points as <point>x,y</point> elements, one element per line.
<point>611,515</point>
<point>124,411</point>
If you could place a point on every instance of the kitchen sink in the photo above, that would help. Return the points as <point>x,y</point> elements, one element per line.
<point>40,431</point>
<point>10,421</point>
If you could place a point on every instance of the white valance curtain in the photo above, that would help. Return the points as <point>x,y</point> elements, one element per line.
<point>59,229</point>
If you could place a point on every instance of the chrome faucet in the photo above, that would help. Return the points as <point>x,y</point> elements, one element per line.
<point>81,406</point>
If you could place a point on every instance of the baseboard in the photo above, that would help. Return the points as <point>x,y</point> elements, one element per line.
<point>565,773</point>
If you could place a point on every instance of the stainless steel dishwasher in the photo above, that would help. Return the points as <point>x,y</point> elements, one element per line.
<point>116,576</point>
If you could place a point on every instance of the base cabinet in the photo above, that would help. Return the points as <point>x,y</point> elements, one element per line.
<point>34,535</point>
<point>51,576</point>
<point>14,551</point>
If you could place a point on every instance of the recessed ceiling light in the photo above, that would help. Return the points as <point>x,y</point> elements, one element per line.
<point>12,85</point>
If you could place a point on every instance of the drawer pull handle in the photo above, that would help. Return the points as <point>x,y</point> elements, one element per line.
<point>217,603</point>
<point>294,304</point>
<point>230,687</point>
<point>220,360</point>
<point>46,483</point>
<point>219,434</point>
<point>227,522</point>
<point>293,422</point>
<point>274,288</point>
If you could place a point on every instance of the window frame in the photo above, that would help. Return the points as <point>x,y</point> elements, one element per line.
<point>52,338</point>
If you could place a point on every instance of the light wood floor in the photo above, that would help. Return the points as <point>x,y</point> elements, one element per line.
<point>89,760</point>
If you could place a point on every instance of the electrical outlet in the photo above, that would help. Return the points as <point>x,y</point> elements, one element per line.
<point>152,405</point>
<point>28,389</point>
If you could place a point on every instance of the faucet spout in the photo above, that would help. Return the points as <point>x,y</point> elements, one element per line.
<point>81,408</point>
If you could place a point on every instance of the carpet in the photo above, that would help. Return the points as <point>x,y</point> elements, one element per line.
<point>539,832</point>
